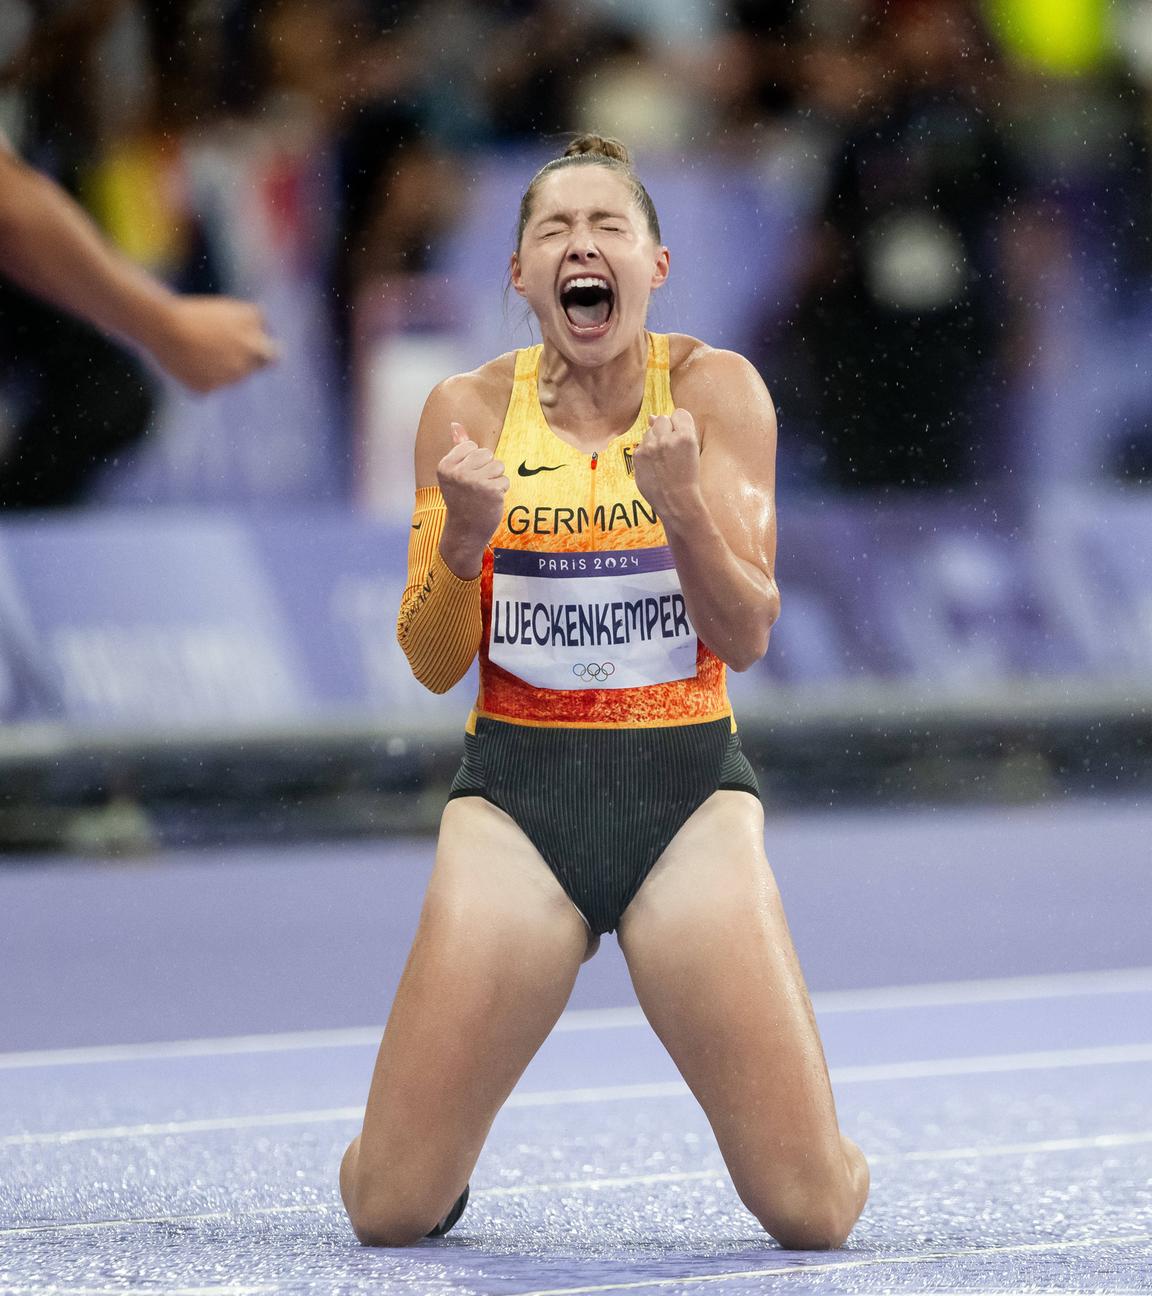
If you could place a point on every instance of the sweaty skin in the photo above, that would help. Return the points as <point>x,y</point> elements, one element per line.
<point>709,469</point>
<point>473,484</point>
<point>705,937</point>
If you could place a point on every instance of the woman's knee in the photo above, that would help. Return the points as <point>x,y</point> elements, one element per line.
<point>805,1221</point>
<point>381,1214</point>
<point>387,1216</point>
<point>379,1224</point>
<point>814,1212</point>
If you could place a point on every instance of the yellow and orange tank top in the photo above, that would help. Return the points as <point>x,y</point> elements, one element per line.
<point>584,623</point>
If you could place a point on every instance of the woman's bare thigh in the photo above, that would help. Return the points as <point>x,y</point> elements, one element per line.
<point>712,960</point>
<point>492,965</point>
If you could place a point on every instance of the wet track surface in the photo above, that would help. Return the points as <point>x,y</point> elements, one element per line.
<point>1008,1123</point>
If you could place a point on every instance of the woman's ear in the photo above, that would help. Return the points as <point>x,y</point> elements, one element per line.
<point>514,273</point>
<point>660,269</point>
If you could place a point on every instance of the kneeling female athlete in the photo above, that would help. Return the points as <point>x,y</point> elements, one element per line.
<point>595,517</point>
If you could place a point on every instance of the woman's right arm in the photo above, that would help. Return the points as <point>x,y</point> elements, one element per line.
<point>460,489</point>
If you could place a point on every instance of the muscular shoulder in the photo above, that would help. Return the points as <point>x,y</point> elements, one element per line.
<point>477,399</point>
<point>715,386</point>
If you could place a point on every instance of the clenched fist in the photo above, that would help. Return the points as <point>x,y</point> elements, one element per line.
<point>667,460</point>
<point>210,342</point>
<point>473,484</point>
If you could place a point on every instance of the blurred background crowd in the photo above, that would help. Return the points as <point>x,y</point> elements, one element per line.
<point>956,167</point>
<point>928,222</point>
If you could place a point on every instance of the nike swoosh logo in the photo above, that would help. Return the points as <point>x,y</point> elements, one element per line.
<point>525,471</point>
<point>417,525</point>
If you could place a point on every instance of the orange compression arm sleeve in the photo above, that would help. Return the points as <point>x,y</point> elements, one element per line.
<point>439,626</point>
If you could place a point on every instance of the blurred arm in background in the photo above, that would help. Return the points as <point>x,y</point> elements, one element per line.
<point>50,247</point>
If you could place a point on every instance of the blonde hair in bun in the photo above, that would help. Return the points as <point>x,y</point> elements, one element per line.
<point>599,145</point>
<point>592,150</point>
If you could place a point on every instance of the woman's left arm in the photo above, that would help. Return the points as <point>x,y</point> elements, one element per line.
<point>709,472</point>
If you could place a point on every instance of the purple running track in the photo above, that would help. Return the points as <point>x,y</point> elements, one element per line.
<point>188,1042</point>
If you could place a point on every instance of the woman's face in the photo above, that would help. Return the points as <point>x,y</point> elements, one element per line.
<point>587,263</point>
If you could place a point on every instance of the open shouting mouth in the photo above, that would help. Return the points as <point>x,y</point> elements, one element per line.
<point>587,301</point>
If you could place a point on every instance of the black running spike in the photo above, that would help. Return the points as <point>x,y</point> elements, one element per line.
<point>453,1215</point>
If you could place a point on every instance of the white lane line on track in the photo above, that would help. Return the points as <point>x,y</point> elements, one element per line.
<point>996,1063</point>
<point>926,1257</point>
<point>1057,985</point>
<point>196,1217</point>
<point>948,994</point>
<point>223,1046</point>
<point>211,1124</point>
<point>1091,1142</point>
<point>990,1064</point>
<point>57,1290</point>
<point>576,1019</point>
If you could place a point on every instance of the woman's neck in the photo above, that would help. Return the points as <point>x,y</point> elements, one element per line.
<point>589,406</point>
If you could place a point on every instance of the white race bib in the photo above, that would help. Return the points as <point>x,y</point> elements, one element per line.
<point>610,619</point>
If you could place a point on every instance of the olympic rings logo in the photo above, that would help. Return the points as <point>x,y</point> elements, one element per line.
<point>593,670</point>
